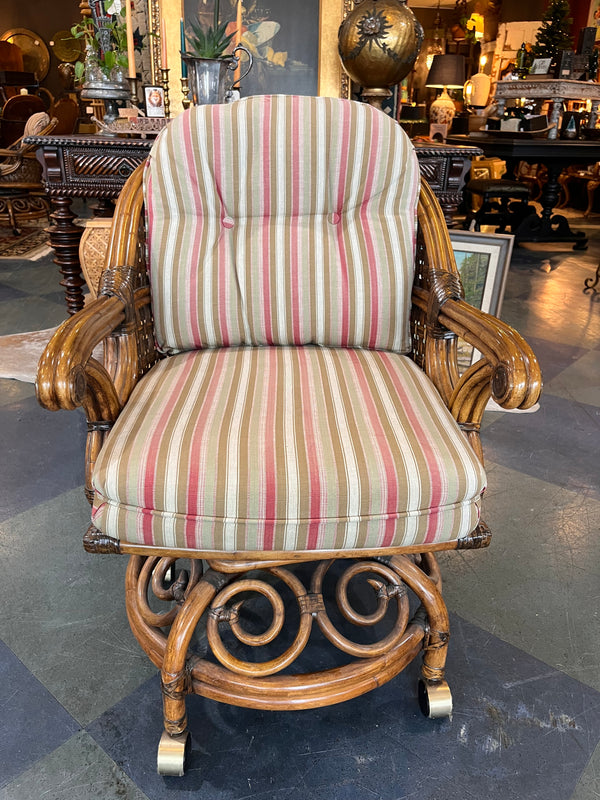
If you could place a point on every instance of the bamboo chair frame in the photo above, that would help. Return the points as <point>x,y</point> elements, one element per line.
<point>22,195</point>
<point>121,317</point>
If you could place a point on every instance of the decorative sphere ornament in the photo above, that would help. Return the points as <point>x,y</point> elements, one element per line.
<point>379,42</point>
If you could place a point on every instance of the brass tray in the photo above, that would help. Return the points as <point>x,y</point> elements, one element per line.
<point>133,125</point>
<point>66,47</point>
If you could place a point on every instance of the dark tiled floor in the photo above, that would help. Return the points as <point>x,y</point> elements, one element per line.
<point>520,730</point>
<point>80,702</point>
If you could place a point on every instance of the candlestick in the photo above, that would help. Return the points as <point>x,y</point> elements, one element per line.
<point>133,90</point>
<point>164,74</point>
<point>130,45</point>
<point>238,22</point>
<point>185,89</point>
<point>163,45</point>
<point>238,38</point>
<point>183,49</point>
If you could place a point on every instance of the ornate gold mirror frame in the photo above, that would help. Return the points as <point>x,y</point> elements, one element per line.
<point>332,80</point>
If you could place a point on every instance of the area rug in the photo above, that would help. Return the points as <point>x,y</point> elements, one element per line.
<point>31,244</point>
<point>20,353</point>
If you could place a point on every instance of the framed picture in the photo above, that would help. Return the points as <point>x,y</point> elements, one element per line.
<point>294,44</point>
<point>283,38</point>
<point>540,66</point>
<point>482,260</point>
<point>438,131</point>
<point>154,97</point>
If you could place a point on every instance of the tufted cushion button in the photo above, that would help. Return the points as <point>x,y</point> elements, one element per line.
<point>228,222</point>
<point>334,218</point>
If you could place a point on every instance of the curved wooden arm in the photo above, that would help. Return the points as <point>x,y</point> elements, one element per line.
<point>68,376</point>
<point>12,164</point>
<point>508,365</point>
<point>516,378</point>
<point>508,370</point>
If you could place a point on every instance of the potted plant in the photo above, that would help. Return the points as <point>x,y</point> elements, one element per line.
<point>213,42</point>
<point>105,49</point>
<point>103,75</point>
<point>209,67</point>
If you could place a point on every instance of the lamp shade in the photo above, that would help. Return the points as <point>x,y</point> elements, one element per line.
<point>447,71</point>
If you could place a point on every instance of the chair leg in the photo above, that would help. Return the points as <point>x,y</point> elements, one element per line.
<point>176,679</point>
<point>435,698</point>
<point>12,220</point>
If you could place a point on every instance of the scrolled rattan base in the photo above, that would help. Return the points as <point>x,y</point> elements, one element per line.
<point>20,207</point>
<point>220,599</point>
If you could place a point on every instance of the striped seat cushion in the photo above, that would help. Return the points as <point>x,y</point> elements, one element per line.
<point>282,220</point>
<point>286,449</point>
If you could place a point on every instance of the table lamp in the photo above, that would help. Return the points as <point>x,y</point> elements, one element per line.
<point>447,72</point>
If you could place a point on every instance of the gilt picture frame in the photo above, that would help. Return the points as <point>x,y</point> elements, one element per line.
<point>323,20</point>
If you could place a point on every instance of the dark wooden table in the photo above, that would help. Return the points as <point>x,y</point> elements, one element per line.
<point>445,167</point>
<point>82,166</point>
<point>555,154</point>
<point>98,166</point>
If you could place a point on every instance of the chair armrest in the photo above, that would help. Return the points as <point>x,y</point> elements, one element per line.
<point>515,379</point>
<point>12,163</point>
<point>68,376</point>
<point>508,371</point>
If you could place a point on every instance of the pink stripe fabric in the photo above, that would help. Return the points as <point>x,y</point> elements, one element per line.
<point>251,201</point>
<point>285,448</point>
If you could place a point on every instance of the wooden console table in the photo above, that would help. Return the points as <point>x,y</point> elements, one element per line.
<point>82,166</point>
<point>98,166</point>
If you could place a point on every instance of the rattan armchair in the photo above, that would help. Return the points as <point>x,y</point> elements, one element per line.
<point>283,391</point>
<point>22,195</point>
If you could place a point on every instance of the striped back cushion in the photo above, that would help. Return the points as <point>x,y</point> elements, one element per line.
<point>282,220</point>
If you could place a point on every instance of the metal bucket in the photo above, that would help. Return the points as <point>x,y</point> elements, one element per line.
<point>211,80</point>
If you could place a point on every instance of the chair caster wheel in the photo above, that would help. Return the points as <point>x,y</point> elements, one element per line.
<point>435,698</point>
<point>172,751</point>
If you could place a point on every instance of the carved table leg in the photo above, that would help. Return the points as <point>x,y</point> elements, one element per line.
<point>64,238</point>
<point>104,209</point>
<point>550,227</point>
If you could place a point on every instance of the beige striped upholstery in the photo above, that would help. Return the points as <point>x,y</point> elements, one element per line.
<point>282,220</point>
<point>286,448</point>
<point>277,224</point>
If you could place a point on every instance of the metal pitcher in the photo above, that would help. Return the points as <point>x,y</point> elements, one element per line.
<point>211,80</point>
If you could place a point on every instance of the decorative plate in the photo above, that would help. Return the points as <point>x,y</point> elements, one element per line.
<point>66,47</point>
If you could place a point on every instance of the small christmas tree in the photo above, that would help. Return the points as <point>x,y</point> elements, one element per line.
<point>554,33</point>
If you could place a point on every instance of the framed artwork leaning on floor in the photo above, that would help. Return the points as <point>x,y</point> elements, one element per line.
<point>483,260</point>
